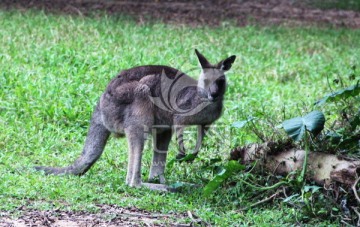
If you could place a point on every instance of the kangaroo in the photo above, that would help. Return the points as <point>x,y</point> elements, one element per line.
<point>152,99</point>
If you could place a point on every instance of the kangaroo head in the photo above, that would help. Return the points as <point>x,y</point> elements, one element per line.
<point>212,81</point>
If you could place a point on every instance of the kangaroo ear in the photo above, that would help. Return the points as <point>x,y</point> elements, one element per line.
<point>203,61</point>
<point>226,64</point>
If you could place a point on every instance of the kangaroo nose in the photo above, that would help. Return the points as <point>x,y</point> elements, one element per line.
<point>214,95</point>
<point>213,92</point>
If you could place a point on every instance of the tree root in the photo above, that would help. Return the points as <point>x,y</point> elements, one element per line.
<point>355,191</point>
<point>324,169</point>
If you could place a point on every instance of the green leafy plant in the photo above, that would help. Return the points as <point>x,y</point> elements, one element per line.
<point>296,127</point>
<point>344,134</point>
<point>342,94</point>
<point>241,124</point>
<point>230,168</point>
<point>313,203</point>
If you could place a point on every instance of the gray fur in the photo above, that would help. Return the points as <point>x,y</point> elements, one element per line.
<point>131,106</point>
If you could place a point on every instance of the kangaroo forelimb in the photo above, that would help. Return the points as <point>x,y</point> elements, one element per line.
<point>201,131</point>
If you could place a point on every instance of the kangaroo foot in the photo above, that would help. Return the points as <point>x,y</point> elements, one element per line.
<point>158,187</point>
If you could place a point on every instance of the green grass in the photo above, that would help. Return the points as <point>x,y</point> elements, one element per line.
<point>53,69</point>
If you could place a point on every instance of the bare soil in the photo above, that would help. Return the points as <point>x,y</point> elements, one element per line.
<point>205,12</point>
<point>108,215</point>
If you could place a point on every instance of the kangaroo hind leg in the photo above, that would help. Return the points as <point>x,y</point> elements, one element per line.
<point>135,137</point>
<point>161,143</point>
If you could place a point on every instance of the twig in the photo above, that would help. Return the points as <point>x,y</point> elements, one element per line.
<point>190,215</point>
<point>257,132</point>
<point>262,201</point>
<point>284,191</point>
<point>358,214</point>
<point>146,215</point>
<point>355,191</point>
<point>345,223</point>
<point>196,219</point>
<point>278,184</point>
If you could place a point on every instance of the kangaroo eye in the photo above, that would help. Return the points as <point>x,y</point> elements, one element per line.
<point>220,82</point>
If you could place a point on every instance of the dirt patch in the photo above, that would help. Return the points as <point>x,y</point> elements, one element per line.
<point>108,215</point>
<point>205,12</point>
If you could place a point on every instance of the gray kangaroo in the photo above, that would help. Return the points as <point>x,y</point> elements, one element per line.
<point>152,99</point>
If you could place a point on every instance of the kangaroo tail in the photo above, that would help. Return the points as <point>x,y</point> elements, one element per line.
<point>94,145</point>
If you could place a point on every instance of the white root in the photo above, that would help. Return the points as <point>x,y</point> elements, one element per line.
<point>324,169</point>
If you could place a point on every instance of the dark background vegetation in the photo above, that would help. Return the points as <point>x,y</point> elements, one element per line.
<point>344,13</point>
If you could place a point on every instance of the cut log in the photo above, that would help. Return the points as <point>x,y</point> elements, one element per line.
<point>324,169</point>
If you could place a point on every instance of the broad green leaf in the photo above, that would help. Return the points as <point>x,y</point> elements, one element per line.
<point>333,137</point>
<point>341,94</point>
<point>188,158</point>
<point>240,124</point>
<point>295,128</point>
<point>287,199</point>
<point>170,164</point>
<point>178,185</point>
<point>311,188</point>
<point>313,122</point>
<point>229,169</point>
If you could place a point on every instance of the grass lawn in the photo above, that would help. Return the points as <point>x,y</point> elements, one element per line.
<point>53,69</point>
